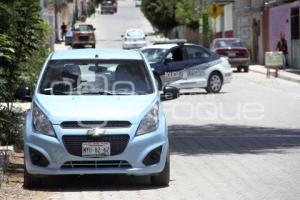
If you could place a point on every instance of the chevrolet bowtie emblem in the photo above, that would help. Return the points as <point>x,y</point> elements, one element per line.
<point>96,132</point>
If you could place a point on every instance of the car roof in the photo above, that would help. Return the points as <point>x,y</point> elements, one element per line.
<point>105,54</point>
<point>134,29</point>
<point>227,39</point>
<point>168,46</point>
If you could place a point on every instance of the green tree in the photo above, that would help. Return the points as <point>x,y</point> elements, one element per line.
<point>23,48</point>
<point>161,14</point>
<point>187,13</point>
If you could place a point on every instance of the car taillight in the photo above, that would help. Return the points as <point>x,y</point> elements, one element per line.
<point>245,54</point>
<point>221,52</point>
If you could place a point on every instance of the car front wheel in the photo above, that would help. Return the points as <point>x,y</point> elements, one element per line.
<point>31,181</point>
<point>215,82</point>
<point>163,178</point>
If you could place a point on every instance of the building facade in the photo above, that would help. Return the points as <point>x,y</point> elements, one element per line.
<point>283,17</point>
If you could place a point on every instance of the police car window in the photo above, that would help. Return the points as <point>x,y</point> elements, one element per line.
<point>197,53</point>
<point>175,55</point>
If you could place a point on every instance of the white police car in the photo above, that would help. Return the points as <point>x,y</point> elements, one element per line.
<point>182,65</point>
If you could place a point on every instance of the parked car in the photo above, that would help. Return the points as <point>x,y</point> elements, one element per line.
<point>235,50</point>
<point>138,3</point>
<point>134,39</point>
<point>96,112</point>
<point>107,7</point>
<point>83,35</point>
<point>183,65</point>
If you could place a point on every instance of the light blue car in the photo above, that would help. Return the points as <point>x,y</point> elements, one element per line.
<point>96,112</point>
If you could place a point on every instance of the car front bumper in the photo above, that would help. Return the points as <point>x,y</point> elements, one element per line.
<point>54,150</point>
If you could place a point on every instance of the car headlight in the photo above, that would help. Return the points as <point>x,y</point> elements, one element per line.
<point>150,122</point>
<point>40,122</point>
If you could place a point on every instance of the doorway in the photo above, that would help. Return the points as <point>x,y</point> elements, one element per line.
<point>295,37</point>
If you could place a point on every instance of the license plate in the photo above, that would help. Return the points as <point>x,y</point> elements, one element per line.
<point>95,149</point>
<point>231,54</point>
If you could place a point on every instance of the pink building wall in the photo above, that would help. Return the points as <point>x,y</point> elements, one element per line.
<point>279,21</point>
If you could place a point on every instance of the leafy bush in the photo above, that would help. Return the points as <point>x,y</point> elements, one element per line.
<point>23,49</point>
<point>11,126</point>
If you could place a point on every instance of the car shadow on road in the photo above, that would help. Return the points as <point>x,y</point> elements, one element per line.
<point>226,139</point>
<point>75,183</point>
<point>190,93</point>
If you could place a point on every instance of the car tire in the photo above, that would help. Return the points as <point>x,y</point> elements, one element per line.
<point>214,83</point>
<point>158,82</point>
<point>239,68</point>
<point>163,178</point>
<point>246,69</point>
<point>93,46</point>
<point>31,181</point>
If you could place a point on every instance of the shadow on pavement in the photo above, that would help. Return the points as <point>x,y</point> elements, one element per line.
<point>190,93</point>
<point>225,139</point>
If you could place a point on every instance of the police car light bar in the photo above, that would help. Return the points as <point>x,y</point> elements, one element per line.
<point>177,41</point>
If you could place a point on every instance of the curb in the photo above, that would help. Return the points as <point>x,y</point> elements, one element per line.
<point>287,78</point>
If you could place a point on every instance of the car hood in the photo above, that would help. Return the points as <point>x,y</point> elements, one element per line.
<point>95,108</point>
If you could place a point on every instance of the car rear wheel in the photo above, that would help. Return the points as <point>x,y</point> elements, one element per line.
<point>239,68</point>
<point>215,82</point>
<point>246,69</point>
<point>163,178</point>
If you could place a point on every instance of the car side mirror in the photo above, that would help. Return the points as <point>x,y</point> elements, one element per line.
<point>94,29</point>
<point>170,93</point>
<point>23,93</point>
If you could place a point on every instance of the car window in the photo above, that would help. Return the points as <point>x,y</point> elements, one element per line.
<point>83,27</point>
<point>228,43</point>
<point>196,53</point>
<point>80,77</point>
<point>154,55</point>
<point>175,54</point>
<point>135,33</point>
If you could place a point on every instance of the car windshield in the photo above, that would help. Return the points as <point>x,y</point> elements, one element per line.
<point>135,33</point>
<point>229,43</point>
<point>83,27</point>
<point>96,77</point>
<point>154,55</point>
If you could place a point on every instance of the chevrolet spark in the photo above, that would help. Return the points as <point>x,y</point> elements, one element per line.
<point>96,112</point>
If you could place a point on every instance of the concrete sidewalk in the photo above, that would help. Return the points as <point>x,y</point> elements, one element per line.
<point>289,75</point>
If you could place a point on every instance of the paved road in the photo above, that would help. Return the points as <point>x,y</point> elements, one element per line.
<point>111,27</point>
<point>241,144</point>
